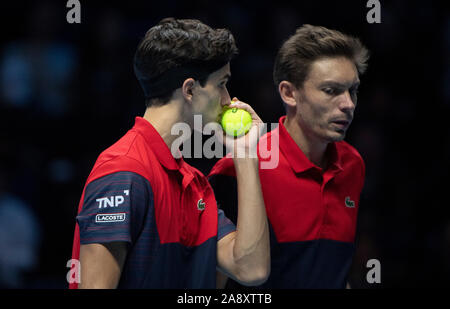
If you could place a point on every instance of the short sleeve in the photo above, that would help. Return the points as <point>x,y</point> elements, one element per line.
<point>114,208</point>
<point>225,226</point>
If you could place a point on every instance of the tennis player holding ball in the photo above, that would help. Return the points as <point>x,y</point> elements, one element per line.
<point>148,220</point>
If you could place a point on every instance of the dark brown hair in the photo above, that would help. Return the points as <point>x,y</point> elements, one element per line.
<point>174,44</point>
<point>310,43</point>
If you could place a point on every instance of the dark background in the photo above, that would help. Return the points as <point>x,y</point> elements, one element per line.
<point>67,92</point>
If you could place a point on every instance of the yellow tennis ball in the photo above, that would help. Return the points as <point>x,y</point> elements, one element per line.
<point>236,121</point>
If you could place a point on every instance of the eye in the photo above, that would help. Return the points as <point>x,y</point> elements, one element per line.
<point>329,91</point>
<point>353,91</point>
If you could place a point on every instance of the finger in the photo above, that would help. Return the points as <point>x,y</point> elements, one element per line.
<point>227,105</point>
<point>248,108</point>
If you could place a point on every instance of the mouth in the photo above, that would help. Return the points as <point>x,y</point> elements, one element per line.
<point>220,113</point>
<point>342,124</point>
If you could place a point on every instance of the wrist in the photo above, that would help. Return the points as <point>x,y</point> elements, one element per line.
<point>245,163</point>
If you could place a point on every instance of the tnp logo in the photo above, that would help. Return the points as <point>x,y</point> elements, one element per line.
<point>112,201</point>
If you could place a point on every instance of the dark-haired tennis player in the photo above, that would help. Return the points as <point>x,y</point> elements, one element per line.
<point>149,220</point>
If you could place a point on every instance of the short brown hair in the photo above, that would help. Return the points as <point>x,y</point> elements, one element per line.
<point>310,43</point>
<point>172,45</point>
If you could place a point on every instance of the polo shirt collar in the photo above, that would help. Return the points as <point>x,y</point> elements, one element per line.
<point>336,158</point>
<point>157,144</point>
<point>295,156</point>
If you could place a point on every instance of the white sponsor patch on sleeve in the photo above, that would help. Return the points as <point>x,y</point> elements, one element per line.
<point>115,217</point>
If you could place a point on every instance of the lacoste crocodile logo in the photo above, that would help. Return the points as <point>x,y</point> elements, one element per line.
<point>349,203</point>
<point>201,204</point>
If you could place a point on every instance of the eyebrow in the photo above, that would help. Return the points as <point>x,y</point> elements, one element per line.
<point>228,76</point>
<point>340,85</point>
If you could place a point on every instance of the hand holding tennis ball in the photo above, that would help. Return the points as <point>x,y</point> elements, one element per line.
<point>242,128</point>
<point>236,121</point>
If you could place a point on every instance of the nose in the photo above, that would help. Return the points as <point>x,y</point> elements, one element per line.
<point>225,99</point>
<point>347,103</point>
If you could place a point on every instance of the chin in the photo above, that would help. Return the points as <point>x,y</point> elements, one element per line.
<point>335,136</point>
<point>339,137</point>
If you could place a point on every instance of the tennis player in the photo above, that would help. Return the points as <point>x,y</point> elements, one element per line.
<point>148,220</point>
<point>312,195</point>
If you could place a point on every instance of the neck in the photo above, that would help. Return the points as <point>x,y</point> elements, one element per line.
<point>313,148</point>
<point>162,118</point>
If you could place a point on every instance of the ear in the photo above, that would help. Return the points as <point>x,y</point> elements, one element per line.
<point>288,93</point>
<point>186,89</point>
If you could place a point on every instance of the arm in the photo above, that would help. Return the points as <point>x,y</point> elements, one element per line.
<point>101,265</point>
<point>244,255</point>
<point>103,245</point>
<point>221,280</point>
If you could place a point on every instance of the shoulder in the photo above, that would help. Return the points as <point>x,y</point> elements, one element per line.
<point>118,174</point>
<point>117,164</point>
<point>122,156</point>
<point>224,166</point>
<point>348,151</point>
<point>350,156</point>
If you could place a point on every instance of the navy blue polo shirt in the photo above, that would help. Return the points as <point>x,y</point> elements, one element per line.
<point>163,208</point>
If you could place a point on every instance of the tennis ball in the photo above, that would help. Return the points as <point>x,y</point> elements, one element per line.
<point>236,121</point>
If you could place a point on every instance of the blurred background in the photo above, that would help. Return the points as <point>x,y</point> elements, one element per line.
<point>67,92</point>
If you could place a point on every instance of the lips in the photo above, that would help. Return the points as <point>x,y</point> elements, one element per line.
<point>341,123</point>
<point>345,122</point>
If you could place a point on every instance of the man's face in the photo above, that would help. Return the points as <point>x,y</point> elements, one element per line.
<point>210,99</point>
<point>327,100</point>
